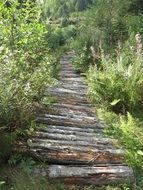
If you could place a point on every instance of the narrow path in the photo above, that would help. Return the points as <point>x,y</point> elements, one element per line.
<point>73,142</point>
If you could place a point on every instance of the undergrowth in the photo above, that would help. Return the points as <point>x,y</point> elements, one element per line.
<point>116,90</point>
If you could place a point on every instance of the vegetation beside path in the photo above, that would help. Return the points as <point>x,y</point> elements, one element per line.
<point>109,50</point>
<point>107,38</point>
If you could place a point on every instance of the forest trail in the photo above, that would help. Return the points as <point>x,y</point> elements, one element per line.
<point>73,143</point>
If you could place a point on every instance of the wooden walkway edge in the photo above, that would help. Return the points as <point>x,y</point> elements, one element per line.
<point>73,143</point>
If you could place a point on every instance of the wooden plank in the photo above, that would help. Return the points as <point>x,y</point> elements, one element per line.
<point>67,112</point>
<point>66,120</point>
<point>66,131</point>
<point>72,100</point>
<point>66,92</point>
<point>74,129</point>
<point>77,155</point>
<point>95,175</point>
<point>96,139</point>
<point>97,144</point>
<point>82,108</point>
<point>72,79</point>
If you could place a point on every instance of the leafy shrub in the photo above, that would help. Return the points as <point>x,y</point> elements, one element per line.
<point>26,65</point>
<point>118,83</point>
<point>128,130</point>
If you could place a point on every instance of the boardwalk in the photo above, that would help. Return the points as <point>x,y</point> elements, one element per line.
<point>73,143</point>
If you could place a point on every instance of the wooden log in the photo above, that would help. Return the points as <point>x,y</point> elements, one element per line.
<point>66,131</point>
<point>96,139</point>
<point>95,175</point>
<point>68,75</point>
<point>66,120</point>
<point>66,92</point>
<point>75,129</point>
<point>74,87</point>
<point>86,108</point>
<point>67,111</point>
<point>69,154</point>
<point>70,82</point>
<point>68,72</point>
<point>97,144</point>
<point>71,100</point>
<point>67,68</point>
<point>72,79</point>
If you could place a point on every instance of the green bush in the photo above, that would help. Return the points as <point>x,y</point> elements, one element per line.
<point>26,65</point>
<point>119,81</point>
<point>128,130</point>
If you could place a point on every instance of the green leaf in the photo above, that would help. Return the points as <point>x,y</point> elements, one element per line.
<point>114,102</point>
<point>2,182</point>
<point>139,152</point>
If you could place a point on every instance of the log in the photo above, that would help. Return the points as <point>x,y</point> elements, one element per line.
<point>70,110</point>
<point>72,79</point>
<point>95,175</point>
<point>74,129</point>
<point>82,108</point>
<point>70,82</point>
<point>68,72</point>
<point>68,75</point>
<point>77,155</point>
<point>96,139</point>
<point>72,100</point>
<point>66,111</point>
<point>97,144</point>
<point>69,132</point>
<point>66,92</point>
<point>66,68</point>
<point>70,121</point>
<point>74,87</point>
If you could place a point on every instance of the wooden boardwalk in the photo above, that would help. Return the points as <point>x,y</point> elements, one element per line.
<point>73,143</point>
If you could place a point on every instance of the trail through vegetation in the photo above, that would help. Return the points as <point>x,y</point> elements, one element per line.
<point>106,37</point>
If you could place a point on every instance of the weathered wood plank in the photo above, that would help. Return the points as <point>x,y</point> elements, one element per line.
<point>66,120</point>
<point>67,75</point>
<point>72,100</point>
<point>97,144</point>
<point>95,175</point>
<point>66,92</point>
<point>96,139</point>
<point>72,79</point>
<point>74,129</point>
<point>69,132</point>
<point>68,154</point>
<point>82,108</point>
<point>67,112</point>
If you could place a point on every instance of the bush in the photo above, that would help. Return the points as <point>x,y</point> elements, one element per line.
<point>26,65</point>
<point>119,81</point>
<point>128,130</point>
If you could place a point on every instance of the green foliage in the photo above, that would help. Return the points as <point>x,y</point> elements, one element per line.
<point>129,131</point>
<point>62,8</point>
<point>106,23</point>
<point>6,145</point>
<point>16,179</point>
<point>26,66</point>
<point>118,83</point>
<point>58,36</point>
<point>82,60</point>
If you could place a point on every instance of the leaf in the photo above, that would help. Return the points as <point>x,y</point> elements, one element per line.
<point>2,182</point>
<point>139,152</point>
<point>114,102</point>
